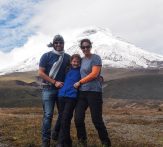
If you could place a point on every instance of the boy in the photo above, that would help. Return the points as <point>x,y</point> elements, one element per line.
<point>67,101</point>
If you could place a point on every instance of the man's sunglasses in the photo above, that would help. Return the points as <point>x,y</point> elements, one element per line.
<point>58,42</point>
<point>85,47</point>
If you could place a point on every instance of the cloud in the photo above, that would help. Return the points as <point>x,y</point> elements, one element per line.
<point>35,46</point>
<point>14,22</point>
<point>139,22</point>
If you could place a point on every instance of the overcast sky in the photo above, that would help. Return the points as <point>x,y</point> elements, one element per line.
<point>137,21</point>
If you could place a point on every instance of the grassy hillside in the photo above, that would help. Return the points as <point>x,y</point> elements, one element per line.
<point>128,126</point>
<point>22,76</point>
<point>118,73</point>
<point>19,97</point>
<point>131,113</point>
<point>16,93</point>
<point>137,87</point>
<point>19,89</point>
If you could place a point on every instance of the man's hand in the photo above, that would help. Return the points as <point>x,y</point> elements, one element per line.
<point>77,84</point>
<point>58,84</point>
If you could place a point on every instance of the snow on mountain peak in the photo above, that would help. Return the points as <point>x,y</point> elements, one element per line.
<point>114,51</point>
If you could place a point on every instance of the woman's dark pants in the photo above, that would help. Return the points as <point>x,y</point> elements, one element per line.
<point>93,100</point>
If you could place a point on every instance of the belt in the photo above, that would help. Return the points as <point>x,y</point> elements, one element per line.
<point>44,85</point>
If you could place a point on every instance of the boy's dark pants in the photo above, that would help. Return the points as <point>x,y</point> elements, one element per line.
<point>66,109</point>
<point>93,100</point>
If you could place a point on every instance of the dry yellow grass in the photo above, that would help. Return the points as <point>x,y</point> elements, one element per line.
<point>127,126</point>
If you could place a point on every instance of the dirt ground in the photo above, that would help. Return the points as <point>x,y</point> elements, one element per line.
<point>130,123</point>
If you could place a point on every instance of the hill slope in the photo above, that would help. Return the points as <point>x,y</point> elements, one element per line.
<point>15,93</point>
<point>137,87</point>
<point>20,89</point>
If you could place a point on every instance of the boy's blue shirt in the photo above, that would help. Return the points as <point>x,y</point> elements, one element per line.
<point>68,90</point>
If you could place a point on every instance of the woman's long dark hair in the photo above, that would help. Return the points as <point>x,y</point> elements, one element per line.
<point>85,40</point>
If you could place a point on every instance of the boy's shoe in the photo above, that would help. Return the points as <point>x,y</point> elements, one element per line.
<point>59,145</point>
<point>67,144</point>
<point>82,144</point>
<point>46,143</point>
<point>106,145</point>
<point>64,145</point>
<point>54,135</point>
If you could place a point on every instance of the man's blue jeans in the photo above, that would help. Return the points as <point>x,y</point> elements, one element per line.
<point>49,99</point>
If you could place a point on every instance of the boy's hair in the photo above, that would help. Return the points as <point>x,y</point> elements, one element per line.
<point>75,56</point>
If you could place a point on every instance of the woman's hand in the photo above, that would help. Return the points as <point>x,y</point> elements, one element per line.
<point>58,84</point>
<point>77,84</point>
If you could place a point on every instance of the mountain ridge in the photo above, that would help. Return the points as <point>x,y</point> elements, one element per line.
<point>113,50</point>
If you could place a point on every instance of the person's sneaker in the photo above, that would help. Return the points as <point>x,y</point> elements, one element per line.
<point>59,145</point>
<point>67,144</point>
<point>46,143</point>
<point>54,135</point>
<point>106,145</point>
<point>82,144</point>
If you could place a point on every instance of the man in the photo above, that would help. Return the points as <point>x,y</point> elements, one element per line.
<point>52,69</point>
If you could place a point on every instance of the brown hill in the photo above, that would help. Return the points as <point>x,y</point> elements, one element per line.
<point>20,89</point>
<point>136,87</point>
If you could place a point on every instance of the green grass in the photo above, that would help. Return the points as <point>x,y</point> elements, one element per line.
<point>21,127</point>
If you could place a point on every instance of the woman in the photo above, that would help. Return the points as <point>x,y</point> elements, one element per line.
<point>90,95</point>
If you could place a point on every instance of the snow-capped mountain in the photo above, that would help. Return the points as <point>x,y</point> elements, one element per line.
<point>113,50</point>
